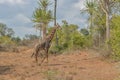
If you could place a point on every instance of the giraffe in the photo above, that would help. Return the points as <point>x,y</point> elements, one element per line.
<point>45,44</point>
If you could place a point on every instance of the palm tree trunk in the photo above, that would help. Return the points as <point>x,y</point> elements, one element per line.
<point>91,28</point>
<point>40,38</point>
<point>44,31</point>
<point>91,25</point>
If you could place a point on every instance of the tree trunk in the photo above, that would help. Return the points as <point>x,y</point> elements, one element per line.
<point>91,25</point>
<point>107,30</point>
<point>44,32</point>
<point>99,36</point>
<point>91,29</point>
<point>105,7</point>
<point>55,21</point>
<point>40,38</point>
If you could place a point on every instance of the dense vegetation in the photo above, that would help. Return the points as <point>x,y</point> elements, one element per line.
<point>115,37</point>
<point>5,35</point>
<point>103,32</point>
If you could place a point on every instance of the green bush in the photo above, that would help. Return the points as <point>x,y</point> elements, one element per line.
<point>70,38</point>
<point>5,40</point>
<point>115,37</point>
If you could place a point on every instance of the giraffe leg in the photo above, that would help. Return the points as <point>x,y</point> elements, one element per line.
<point>36,57</point>
<point>47,56</point>
<point>37,50</point>
<point>32,54</point>
<point>42,61</point>
<point>34,51</point>
<point>46,49</point>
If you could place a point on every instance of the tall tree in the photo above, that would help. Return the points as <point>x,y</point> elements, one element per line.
<point>90,9</point>
<point>3,28</point>
<point>39,27</point>
<point>43,15</point>
<point>107,6</point>
<point>5,31</point>
<point>55,20</point>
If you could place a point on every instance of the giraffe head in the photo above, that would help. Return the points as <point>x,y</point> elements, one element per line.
<point>57,26</point>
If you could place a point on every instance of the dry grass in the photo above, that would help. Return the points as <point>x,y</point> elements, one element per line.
<point>79,65</point>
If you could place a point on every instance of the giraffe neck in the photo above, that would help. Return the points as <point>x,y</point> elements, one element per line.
<point>51,35</point>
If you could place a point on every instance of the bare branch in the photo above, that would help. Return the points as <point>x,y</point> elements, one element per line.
<point>103,6</point>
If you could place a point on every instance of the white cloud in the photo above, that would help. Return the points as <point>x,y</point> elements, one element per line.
<point>22,30</point>
<point>12,1</point>
<point>19,20</point>
<point>1,21</point>
<point>61,2</point>
<point>80,4</point>
<point>22,18</point>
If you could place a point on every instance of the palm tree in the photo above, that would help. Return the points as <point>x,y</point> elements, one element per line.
<point>90,8</point>
<point>39,27</point>
<point>42,15</point>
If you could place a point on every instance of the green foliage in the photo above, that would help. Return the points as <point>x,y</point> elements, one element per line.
<point>30,37</point>
<point>5,31</point>
<point>6,35</point>
<point>43,4</point>
<point>2,29</point>
<point>42,16</point>
<point>115,36</point>
<point>84,32</point>
<point>79,40</point>
<point>70,38</point>
<point>6,41</point>
<point>16,40</point>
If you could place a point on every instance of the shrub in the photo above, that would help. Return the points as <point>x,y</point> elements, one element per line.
<point>115,37</point>
<point>5,40</point>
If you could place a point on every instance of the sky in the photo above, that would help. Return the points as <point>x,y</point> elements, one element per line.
<point>17,14</point>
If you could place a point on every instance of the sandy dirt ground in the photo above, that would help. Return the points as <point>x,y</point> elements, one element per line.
<point>79,65</point>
